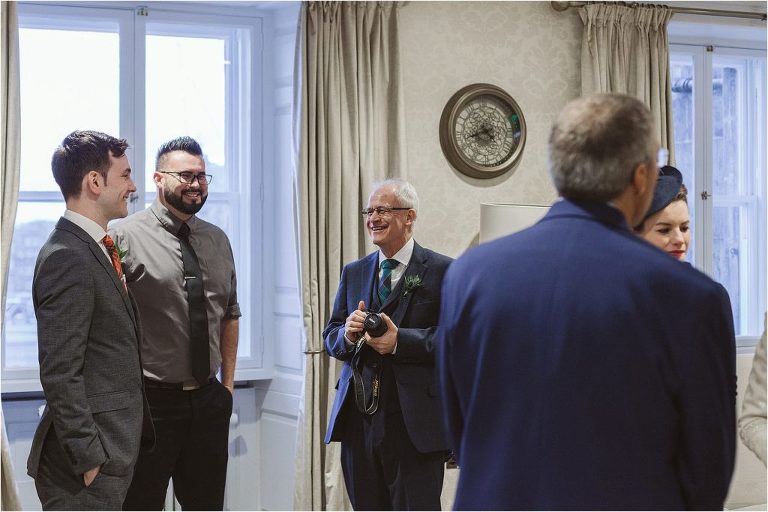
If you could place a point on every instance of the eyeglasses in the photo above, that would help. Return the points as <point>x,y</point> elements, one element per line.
<point>189,177</point>
<point>662,157</point>
<point>381,210</point>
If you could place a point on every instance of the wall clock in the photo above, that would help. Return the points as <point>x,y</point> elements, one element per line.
<point>482,131</point>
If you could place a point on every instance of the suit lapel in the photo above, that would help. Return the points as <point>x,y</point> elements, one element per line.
<point>417,267</point>
<point>110,270</point>
<point>105,263</point>
<point>370,275</point>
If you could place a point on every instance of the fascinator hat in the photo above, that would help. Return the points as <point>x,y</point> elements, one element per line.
<point>667,187</point>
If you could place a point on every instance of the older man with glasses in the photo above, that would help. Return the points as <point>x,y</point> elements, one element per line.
<point>386,412</point>
<point>182,273</point>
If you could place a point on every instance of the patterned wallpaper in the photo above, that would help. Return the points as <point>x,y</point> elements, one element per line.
<point>526,48</point>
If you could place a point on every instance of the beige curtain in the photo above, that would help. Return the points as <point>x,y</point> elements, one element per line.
<point>626,50</point>
<point>349,128</point>
<point>9,491</point>
<point>9,191</point>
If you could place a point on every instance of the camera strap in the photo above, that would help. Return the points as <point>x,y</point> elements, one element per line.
<point>359,382</point>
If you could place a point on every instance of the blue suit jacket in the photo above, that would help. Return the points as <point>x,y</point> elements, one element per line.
<point>582,368</point>
<point>415,314</point>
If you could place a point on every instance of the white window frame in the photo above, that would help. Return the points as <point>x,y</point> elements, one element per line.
<point>702,43</point>
<point>246,123</point>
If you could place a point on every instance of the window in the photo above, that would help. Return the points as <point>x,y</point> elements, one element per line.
<point>719,111</point>
<point>197,83</point>
<point>147,75</point>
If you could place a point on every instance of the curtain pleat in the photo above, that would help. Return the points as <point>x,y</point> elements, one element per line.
<point>9,191</point>
<point>626,50</point>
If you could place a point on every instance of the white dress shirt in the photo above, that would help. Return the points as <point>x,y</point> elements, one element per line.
<point>89,226</point>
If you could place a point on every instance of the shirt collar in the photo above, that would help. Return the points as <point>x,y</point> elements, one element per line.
<point>402,256</point>
<point>169,221</point>
<point>89,226</point>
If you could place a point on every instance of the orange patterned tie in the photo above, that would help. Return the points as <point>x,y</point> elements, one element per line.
<point>114,256</point>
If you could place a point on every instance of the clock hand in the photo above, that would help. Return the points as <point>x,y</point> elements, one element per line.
<point>482,130</point>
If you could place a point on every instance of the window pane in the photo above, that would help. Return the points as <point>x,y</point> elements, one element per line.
<point>61,92</point>
<point>218,213</point>
<point>737,212</point>
<point>186,95</point>
<point>728,135</point>
<point>34,223</point>
<point>681,68</point>
<point>726,258</point>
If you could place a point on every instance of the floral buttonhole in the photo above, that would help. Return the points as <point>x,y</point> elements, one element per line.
<point>412,283</point>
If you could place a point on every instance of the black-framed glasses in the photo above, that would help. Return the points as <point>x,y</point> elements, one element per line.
<point>189,177</point>
<point>381,210</point>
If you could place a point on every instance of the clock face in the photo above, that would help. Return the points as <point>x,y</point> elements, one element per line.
<point>487,131</point>
<point>482,131</point>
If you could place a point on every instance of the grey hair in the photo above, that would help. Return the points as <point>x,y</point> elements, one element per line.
<point>596,144</point>
<point>404,192</point>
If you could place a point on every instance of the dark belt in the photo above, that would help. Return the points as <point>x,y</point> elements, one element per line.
<point>179,386</point>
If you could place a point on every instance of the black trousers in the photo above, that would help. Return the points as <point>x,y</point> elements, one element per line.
<point>192,430</point>
<point>382,469</point>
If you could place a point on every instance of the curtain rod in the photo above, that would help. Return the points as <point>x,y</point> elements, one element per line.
<point>562,6</point>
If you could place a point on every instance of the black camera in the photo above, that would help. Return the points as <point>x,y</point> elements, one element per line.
<point>374,325</point>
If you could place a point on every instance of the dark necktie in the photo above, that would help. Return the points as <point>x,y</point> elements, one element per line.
<point>385,284</point>
<point>198,317</point>
<point>114,256</point>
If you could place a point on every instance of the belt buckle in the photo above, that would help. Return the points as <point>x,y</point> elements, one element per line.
<point>190,386</point>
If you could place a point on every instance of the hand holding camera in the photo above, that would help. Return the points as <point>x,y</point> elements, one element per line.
<point>381,332</point>
<point>353,328</point>
<point>374,324</point>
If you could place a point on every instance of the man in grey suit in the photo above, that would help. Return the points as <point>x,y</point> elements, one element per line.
<point>86,445</point>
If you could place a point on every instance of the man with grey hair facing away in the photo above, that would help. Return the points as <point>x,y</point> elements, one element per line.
<point>580,367</point>
<point>386,413</point>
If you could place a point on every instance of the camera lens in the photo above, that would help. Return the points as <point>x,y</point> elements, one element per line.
<point>374,325</point>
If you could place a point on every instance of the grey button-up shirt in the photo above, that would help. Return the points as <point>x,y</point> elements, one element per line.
<point>155,275</point>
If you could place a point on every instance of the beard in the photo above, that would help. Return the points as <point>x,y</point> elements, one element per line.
<point>177,201</point>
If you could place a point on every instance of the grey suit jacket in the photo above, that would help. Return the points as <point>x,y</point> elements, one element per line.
<point>90,368</point>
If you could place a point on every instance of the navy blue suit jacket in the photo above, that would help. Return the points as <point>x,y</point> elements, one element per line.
<point>581,368</point>
<point>415,314</point>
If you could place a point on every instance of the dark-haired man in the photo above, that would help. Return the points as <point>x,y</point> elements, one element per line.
<point>86,445</point>
<point>182,272</point>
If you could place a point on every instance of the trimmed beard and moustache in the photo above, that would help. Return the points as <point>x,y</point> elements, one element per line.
<point>178,202</point>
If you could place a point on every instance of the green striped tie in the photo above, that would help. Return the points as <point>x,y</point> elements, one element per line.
<point>385,285</point>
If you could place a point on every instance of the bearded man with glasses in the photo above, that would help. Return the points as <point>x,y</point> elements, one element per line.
<point>386,412</point>
<point>182,272</point>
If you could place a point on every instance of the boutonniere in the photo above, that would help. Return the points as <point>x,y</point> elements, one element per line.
<point>412,283</point>
<point>121,252</point>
